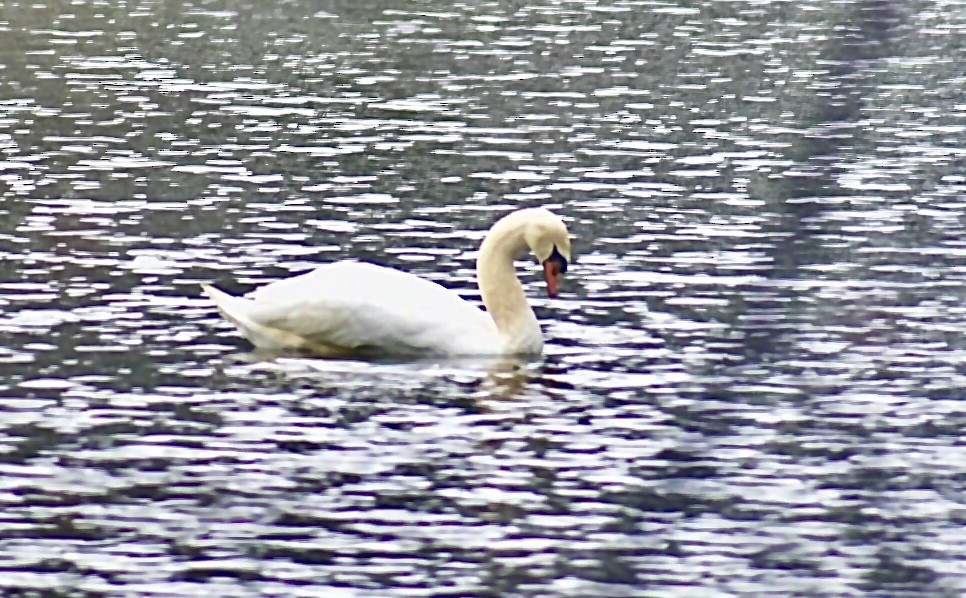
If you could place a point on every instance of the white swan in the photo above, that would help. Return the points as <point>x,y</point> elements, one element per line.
<point>348,309</point>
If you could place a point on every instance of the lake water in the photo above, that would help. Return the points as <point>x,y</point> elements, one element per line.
<point>754,375</point>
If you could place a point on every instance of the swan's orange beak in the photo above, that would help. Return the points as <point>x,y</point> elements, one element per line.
<point>552,267</point>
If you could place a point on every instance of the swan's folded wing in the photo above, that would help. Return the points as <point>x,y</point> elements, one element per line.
<point>358,308</point>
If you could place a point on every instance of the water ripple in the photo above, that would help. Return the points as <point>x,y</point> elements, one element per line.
<point>751,377</point>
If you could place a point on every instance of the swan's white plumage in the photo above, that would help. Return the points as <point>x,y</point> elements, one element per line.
<point>361,309</point>
<point>351,308</point>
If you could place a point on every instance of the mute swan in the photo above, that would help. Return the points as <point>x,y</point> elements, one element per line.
<point>347,309</point>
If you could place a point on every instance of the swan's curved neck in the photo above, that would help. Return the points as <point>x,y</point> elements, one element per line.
<point>501,290</point>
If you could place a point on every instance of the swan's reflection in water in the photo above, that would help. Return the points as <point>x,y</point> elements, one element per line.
<point>477,379</point>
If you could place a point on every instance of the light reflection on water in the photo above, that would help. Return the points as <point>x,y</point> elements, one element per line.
<point>752,378</point>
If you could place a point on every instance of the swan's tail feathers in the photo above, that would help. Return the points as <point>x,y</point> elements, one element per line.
<point>243,313</point>
<point>214,293</point>
<point>233,309</point>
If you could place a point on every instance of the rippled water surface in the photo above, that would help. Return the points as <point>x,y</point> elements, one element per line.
<point>753,383</point>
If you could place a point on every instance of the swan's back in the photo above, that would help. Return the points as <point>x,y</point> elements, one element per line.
<point>355,308</point>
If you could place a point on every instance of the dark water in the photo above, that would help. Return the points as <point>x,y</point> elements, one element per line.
<point>754,377</point>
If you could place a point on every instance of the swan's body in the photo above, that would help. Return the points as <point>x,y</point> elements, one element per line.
<point>355,308</point>
<point>361,309</point>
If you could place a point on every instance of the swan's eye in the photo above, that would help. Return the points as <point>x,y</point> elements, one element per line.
<point>555,255</point>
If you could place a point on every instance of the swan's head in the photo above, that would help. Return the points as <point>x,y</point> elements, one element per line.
<point>547,236</point>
